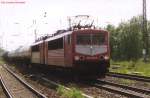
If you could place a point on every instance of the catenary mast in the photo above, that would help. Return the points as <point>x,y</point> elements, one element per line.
<point>145,33</point>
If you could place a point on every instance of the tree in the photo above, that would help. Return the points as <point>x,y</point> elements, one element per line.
<point>126,40</point>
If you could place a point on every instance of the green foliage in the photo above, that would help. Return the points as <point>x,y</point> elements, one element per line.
<point>131,67</point>
<point>126,41</point>
<point>73,93</point>
<point>60,89</point>
<point>126,81</point>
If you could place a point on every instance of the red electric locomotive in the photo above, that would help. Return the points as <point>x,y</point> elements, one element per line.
<point>82,49</point>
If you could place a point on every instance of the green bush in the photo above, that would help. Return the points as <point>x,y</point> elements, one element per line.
<point>73,93</point>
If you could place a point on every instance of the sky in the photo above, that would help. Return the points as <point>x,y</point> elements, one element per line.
<point>18,21</point>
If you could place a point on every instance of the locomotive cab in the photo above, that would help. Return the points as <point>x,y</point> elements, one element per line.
<point>91,50</point>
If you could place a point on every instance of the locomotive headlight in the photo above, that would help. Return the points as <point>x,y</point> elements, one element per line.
<point>106,57</point>
<point>76,57</point>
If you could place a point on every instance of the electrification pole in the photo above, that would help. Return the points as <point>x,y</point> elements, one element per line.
<point>145,33</point>
<point>35,29</point>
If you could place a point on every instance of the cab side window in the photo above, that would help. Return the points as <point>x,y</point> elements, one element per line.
<point>35,48</point>
<point>55,44</point>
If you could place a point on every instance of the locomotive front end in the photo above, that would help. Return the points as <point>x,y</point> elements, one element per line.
<point>91,51</point>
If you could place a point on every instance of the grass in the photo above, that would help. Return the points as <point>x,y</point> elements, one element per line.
<point>126,81</point>
<point>131,67</point>
<point>73,93</point>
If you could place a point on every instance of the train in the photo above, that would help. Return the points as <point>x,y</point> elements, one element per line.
<point>83,50</point>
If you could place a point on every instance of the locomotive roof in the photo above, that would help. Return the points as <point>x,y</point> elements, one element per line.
<point>64,34</point>
<point>53,38</point>
<point>36,43</point>
<point>59,36</point>
<point>69,32</point>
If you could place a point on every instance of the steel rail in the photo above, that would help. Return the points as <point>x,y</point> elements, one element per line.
<point>120,89</point>
<point>6,91</point>
<point>125,86</point>
<point>40,95</point>
<point>127,76</point>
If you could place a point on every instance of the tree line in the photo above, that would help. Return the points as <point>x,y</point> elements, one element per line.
<point>126,40</point>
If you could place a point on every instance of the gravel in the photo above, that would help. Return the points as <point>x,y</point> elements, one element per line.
<point>2,94</point>
<point>50,93</point>
<point>16,89</point>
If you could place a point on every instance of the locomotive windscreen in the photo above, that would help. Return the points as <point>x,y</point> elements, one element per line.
<point>90,39</point>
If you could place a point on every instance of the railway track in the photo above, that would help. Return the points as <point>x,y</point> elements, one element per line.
<point>55,85</point>
<point>131,92</point>
<point>5,90</point>
<point>127,76</point>
<point>15,87</point>
<point>128,91</point>
<point>49,83</point>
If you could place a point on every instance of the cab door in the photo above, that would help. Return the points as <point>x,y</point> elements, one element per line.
<point>46,52</point>
<point>68,50</point>
<point>42,55</point>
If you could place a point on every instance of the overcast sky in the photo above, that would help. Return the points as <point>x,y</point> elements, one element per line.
<point>16,20</point>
